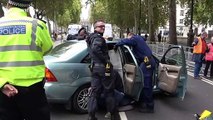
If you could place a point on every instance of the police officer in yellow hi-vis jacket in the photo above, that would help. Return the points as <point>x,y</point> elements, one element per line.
<point>23,43</point>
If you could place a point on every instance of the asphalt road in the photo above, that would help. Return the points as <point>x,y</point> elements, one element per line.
<point>198,98</point>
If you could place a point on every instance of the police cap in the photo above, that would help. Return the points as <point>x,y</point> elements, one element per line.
<point>20,3</point>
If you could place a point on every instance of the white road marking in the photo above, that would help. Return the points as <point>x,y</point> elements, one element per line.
<point>123,116</point>
<point>203,79</point>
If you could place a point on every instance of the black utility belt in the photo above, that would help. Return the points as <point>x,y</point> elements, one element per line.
<point>34,86</point>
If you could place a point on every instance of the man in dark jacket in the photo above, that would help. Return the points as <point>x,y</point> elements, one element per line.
<point>101,69</point>
<point>144,58</point>
<point>82,34</point>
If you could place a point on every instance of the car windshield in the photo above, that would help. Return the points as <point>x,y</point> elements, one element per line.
<point>68,49</point>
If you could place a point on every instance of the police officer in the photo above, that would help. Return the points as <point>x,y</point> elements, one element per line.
<point>101,68</point>
<point>144,57</point>
<point>24,42</point>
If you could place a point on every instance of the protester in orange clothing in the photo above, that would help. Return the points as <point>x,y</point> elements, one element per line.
<point>199,50</point>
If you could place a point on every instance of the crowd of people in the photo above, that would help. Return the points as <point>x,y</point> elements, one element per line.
<point>202,52</point>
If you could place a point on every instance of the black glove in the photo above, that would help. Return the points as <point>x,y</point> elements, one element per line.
<point>115,48</point>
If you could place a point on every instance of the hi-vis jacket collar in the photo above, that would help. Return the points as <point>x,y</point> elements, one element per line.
<point>15,12</point>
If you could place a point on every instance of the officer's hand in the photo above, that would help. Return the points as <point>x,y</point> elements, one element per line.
<point>9,90</point>
<point>115,48</point>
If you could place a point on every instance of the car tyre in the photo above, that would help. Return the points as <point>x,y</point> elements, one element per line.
<point>80,99</point>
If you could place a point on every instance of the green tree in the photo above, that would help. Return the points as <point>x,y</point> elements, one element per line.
<point>172,22</point>
<point>62,12</point>
<point>1,11</point>
<point>125,14</point>
<point>203,12</point>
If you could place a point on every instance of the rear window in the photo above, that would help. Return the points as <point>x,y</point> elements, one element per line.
<point>68,49</point>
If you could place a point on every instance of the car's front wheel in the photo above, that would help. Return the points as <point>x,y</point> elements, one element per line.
<point>80,99</point>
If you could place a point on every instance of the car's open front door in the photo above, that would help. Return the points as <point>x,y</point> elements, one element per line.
<point>172,73</point>
<point>132,75</point>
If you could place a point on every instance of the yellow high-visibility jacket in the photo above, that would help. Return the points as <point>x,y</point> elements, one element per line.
<point>23,43</point>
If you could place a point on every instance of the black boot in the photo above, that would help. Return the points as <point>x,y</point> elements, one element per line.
<point>92,117</point>
<point>115,116</point>
<point>144,108</point>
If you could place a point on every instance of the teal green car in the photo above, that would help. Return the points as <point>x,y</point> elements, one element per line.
<point>68,75</point>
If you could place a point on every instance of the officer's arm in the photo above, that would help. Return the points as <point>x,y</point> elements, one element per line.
<point>195,42</point>
<point>45,41</point>
<point>97,50</point>
<point>126,41</point>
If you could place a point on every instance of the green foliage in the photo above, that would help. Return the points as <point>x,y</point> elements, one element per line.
<point>125,13</point>
<point>63,12</point>
<point>203,12</point>
<point>160,13</point>
<point>113,11</point>
<point>98,12</point>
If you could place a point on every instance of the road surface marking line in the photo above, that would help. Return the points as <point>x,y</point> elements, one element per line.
<point>123,116</point>
<point>203,79</point>
<point>207,81</point>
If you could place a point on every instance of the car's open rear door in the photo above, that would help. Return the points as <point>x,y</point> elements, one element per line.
<point>172,73</point>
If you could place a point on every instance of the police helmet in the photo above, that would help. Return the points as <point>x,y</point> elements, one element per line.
<point>20,3</point>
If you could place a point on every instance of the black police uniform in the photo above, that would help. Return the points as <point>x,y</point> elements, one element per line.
<point>100,83</point>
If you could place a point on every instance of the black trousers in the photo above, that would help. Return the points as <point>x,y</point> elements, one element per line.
<point>29,104</point>
<point>101,84</point>
<point>208,63</point>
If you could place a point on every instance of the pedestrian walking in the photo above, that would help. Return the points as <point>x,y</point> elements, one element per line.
<point>144,57</point>
<point>199,49</point>
<point>209,59</point>
<point>24,41</point>
<point>101,68</point>
<point>55,35</point>
<point>159,37</point>
<point>146,37</point>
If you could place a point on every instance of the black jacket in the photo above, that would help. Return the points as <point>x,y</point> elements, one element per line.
<point>98,48</point>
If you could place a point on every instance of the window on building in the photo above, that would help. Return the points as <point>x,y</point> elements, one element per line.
<point>181,21</point>
<point>181,12</point>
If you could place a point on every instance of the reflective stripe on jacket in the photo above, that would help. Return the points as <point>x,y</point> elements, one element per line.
<point>23,42</point>
<point>200,47</point>
<point>209,55</point>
